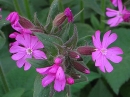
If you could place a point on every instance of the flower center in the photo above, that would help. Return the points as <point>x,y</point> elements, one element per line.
<point>29,51</point>
<point>104,51</point>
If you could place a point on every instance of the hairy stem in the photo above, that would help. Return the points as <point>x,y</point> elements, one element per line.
<point>82,13</point>
<point>3,79</point>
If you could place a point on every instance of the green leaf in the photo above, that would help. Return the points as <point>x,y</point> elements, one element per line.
<point>49,38</point>
<point>100,90</point>
<point>95,22</point>
<point>93,5</point>
<point>121,72</point>
<point>39,90</point>
<point>85,41</point>
<point>72,42</point>
<point>78,86</point>
<point>15,93</point>
<point>78,14</point>
<point>54,9</point>
<point>2,39</point>
<point>38,63</point>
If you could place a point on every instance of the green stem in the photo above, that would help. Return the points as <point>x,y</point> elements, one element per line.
<point>61,6</point>
<point>102,16</point>
<point>82,13</point>
<point>17,8</point>
<point>3,78</point>
<point>26,3</point>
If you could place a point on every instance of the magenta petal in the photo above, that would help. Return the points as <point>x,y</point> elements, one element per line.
<point>43,70</point>
<point>38,45</point>
<point>16,48</point>
<point>112,54</point>
<point>39,54</point>
<point>120,5</point>
<point>20,39</point>
<point>21,62</point>
<point>96,39</point>
<point>34,41</point>
<point>47,80</point>
<point>108,39</point>
<point>60,75</point>
<point>18,56</point>
<point>27,38</point>
<point>96,55</point>
<point>107,65</point>
<point>59,85</point>
<point>27,66</point>
<point>54,68</point>
<point>111,12</point>
<point>102,68</point>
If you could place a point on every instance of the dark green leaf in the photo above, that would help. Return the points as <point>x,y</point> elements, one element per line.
<point>78,14</point>
<point>39,90</point>
<point>38,63</point>
<point>100,90</point>
<point>93,5</point>
<point>15,93</point>
<point>49,38</point>
<point>95,22</point>
<point>72,42</point>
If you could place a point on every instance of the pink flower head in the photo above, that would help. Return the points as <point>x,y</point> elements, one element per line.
<point>69,14</point>
<point>126,15</point>
<point>14,18</point>
<point>114,2</point>
<point>53,73</point>
<point>26,46</point>
<point>117,16</point>
<point>102,52</point>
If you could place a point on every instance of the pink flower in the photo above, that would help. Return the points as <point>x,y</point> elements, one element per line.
<point>114,2</point>
<point>102,52</point>
<point>70,80</point>
<point>53,73</point>
<point>69,14</point>
<point>14,19</point>
<point>117,16</point>
<point>26,46</point>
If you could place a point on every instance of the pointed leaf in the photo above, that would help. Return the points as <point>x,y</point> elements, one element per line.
<point>38,63</point>
<point>2,39</point>
<point>50,38</point>
<point>78,14</point>
<point>39,90</point>
<point>73,40</point>
<point>60,49</point>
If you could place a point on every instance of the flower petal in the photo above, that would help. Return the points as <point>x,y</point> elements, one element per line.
<point>38,45</point>
<point>21,62</point>
<point>112,54</point>
<point>60,75</point>
<point>120,5</point>
<point>108,39</point>
<point>96,55</point>
<point>43,70</point>
<point>27,66</point>
<point>18,55</point>
<point>16,48</point>
<point>39,54</point>
<point>59,85</point>
<point>96,39</point>
<point>111,12</point>
<point>47,80</point>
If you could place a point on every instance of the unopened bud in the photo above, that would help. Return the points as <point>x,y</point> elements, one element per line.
<point>75,55</point>
<point>86,50</point>
<point>59,19</point>
<point>76,76</point>
<point>70,80</point>
<point>80,67</point>
<point>58,60</point>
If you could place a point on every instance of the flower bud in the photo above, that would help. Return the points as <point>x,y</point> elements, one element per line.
<point>70,80</point>
<point>59,19</point>
<point>86,50</point>
<point>69,15</point>
<point>80,67</point>
<point>75,55</point>
<point>76,76</point>
<point>58,60</point>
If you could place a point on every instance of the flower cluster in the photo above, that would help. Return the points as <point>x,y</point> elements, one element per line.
<point>67,65</point>
<point>117,16</point>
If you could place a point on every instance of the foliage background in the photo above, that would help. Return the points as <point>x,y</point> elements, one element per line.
<point>21,83</point>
